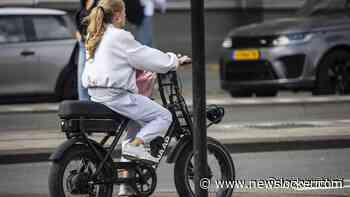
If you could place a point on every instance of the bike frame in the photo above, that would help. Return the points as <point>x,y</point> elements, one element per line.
<point>172,99</point>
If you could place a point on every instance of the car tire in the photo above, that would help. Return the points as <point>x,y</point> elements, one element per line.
<point>70,90</point>
<point>333,75</point>
<point>266,93</point>
<point>241,93</point>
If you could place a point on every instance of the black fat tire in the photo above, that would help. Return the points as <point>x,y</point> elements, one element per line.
<point>57,170</point>
<point>323,84</point>
<point>179,169</point>
<point>241,93</point>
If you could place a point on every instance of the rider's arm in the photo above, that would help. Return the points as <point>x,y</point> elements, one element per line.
<point>146,58</point>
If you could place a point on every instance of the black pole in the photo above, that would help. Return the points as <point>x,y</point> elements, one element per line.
<point>199,103</point>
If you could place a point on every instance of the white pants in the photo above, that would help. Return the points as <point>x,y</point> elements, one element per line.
<point>153,119</point>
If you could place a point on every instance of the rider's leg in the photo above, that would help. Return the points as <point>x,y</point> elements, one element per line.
<point>133,128</point>
<point>155,121</point>
<point>125,189</point>
<point>154,118</point>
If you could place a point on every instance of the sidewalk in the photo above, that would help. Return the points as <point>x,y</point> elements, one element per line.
<point>43,142</point>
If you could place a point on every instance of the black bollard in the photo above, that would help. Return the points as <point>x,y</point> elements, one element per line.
<point>199,97</point>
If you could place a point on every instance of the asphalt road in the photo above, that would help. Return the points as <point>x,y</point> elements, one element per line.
<point>31,178</point>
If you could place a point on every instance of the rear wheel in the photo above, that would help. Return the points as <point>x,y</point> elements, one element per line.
<point>220,167</point>
<point>72,176</point>
<point>333,76</point>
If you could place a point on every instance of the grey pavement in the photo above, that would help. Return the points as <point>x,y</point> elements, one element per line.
<point>38,142</point>
<point>31,178</point>
<point>238,111</point>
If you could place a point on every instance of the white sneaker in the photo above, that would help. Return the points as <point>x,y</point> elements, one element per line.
<point>138,153</point>
<point>126,190</point>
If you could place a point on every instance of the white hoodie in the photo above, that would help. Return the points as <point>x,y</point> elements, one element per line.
<point>116,58</point>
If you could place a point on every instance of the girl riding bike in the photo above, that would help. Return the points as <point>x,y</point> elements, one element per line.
<point>82,166</point>
<point>110,75</point>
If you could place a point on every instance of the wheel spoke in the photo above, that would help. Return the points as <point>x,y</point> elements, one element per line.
<point>147,175</point>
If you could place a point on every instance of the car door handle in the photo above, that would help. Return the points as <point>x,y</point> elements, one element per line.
<point>27,53</point>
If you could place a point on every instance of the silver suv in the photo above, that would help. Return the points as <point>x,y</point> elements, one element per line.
<point>37,54</point>
<point>310,51</point>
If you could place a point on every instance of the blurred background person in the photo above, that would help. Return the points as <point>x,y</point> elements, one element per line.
<point>144,23</point>
<point>84,10</point>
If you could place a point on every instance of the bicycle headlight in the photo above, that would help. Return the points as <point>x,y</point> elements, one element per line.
<point>289,39</point>
<point>227,43</point>
<point>215,113</point>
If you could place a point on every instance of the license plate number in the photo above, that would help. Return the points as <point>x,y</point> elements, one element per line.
<point>244,55</point>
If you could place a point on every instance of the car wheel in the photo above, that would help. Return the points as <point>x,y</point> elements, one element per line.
<point>70,90</point>
<point>266,93</point>
<point>333,76</point>
<point>241,93</point>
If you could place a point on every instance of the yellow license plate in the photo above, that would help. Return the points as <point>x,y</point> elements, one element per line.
<point>244,55</point>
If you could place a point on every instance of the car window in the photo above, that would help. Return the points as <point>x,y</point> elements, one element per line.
<point>11,29</point>
<point>51,28</point>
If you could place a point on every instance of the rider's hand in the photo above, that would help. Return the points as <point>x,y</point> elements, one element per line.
<point>184,59</point>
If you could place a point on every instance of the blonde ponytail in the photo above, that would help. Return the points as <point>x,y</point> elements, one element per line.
<point>98,19</point>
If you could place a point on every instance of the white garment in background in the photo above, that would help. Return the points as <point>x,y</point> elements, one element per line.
<point>150,5</point>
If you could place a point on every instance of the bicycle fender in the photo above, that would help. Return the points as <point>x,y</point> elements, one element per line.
<point>176,150</point>
<point>65,146</point>
<point>60,151</point>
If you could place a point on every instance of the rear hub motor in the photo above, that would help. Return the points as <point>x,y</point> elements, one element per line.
<point>78,183</point>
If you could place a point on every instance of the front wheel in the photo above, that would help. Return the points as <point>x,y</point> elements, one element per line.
<point>220,168</point>
<point>73,175</point>
<point>333,76</point>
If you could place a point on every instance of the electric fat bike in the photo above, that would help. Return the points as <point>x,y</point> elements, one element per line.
<point>83,166</point>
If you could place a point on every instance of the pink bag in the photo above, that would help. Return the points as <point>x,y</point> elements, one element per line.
<point>145,81</point>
